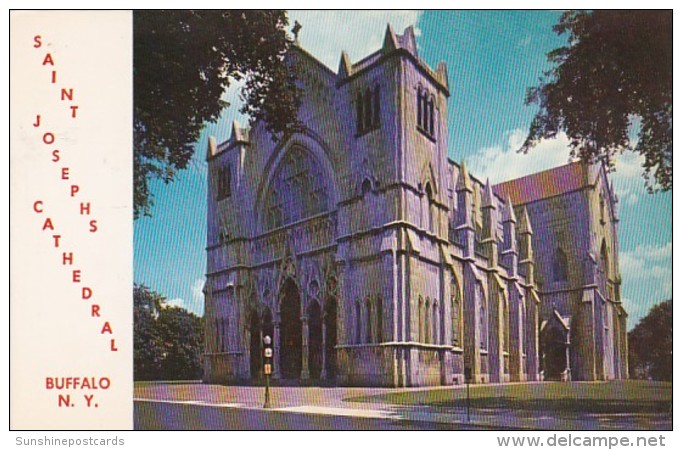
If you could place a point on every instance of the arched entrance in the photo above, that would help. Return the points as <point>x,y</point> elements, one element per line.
<point>314,340</point>
<point>554,353</point>
<point>330,338</point>
<point>255,359</point>
<point>290,339</point>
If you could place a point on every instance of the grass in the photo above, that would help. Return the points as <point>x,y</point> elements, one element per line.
<point>597,398</point>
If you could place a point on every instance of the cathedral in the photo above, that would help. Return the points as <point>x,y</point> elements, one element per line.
<point>373,259</point>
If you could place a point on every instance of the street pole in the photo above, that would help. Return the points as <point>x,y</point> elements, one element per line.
<point>267,368</point>
<point>267,392</point>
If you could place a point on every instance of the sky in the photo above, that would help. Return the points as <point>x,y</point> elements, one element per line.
<point>492,58</point>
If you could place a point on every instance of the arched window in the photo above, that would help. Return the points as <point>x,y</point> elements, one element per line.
<point>224,182</point>
<point>420,320</point>
<point>560,265</point>
<point>298,189</point>
<point>456,306</point>
<point>377,106</point>
<point>434,324</point>
<point>380,320</point>
<point>359,108</point>
<point>427,318</point>
<point>604,264</point>
<point>420,110</point>
<point>370,319</point>
<point>358,322</point>
<point>368,110</point>
<point>425,112</point>
<point>430,212</point>
<point>505,321</point>
<point>483,318</point>
<point>430,117</point>
<point>602,214</point>
<point>217,335</point>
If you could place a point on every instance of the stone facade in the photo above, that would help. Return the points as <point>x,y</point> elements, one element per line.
<point>374,259</point>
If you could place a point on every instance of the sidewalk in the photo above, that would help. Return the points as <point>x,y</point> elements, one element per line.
<point>338,401</point>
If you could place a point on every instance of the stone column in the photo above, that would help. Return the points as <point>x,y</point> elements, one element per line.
<point>323,374</point>
<point>276,373</point>
<point>305,372</point>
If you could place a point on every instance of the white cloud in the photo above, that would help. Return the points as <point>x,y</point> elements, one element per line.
<point>326,33</point>
<point>178,302</point>
<point>503,162</point>
<point>627,179</point>
<point>196,302</point>
<point>649,262</point>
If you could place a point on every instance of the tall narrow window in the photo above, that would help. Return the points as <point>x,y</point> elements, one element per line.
<point>429,199</point>
<point>425,112</point>
<point>602,215</point>
<point>370,319</point>
<point>456,312</point>
<point>483,318</point>
<point>505,322</point>
<point>377,106</point>
<point>434,324</point>
<point>358,322</point>
<point>427,333</point>
<point>560,265</point>
<point>368,110</point>
<point>430,117</point>
<point>380,320</point>
<point>359,106</point>
<point>224,182</point>
<point>420,320</point>
<point>420,99</point>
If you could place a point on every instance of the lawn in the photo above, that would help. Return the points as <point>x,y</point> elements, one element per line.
<point>630,397</point>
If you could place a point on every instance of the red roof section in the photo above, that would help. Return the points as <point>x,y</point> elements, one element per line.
<point>548,183</point>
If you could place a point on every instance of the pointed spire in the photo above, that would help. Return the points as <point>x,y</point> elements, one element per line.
<point>239,134</point>
<point>390,40</point>
<point>408,41</point>
<point>463,180</point>
<point>212,148</point>
<point>345,67</point>
<point>524,223</point>
<point>489,200</point>
<point>442,74</point>
<point>508,211</point>
<point>235,130</point>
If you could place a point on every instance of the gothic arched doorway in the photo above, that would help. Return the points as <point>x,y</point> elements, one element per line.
<point>554,353</point>
<point>290,345</point>
<point>314,340</point>
<point>255,359</point>
<point>330,338</point>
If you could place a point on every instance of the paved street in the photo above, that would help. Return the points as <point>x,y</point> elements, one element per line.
<point>212,407</point>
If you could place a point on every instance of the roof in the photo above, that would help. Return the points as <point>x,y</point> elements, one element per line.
<point>545,184</point>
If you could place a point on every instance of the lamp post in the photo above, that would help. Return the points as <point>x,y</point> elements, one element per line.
<point>267,367</point>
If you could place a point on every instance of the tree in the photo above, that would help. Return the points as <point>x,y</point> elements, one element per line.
<point>182,63</point>
<point>182,336</point>
<point>147,348</point>
<point>168,340</point>
<point>613,76</point>
<point>650,344</point>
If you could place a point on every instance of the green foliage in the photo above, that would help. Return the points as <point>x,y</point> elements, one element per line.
<point>614,75</point>
<point>168,341</point>
<point>650,344</point>
<point>183,61</point>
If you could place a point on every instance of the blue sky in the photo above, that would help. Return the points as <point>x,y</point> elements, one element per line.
<point>492,58</point>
